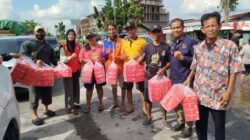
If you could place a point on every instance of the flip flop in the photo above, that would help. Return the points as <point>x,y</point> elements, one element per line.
<point>122,109</point>
<point>86,110</point>
<point>100,108</point>
<point>37,121</point>
<point>112,107</point>
<point>128,112</point>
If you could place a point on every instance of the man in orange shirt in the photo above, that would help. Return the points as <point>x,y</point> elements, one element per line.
<point>112,49</point>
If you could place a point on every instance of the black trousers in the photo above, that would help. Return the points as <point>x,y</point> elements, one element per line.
<point>36,93</point>
<point>219,118</point>
<point>72,89</point>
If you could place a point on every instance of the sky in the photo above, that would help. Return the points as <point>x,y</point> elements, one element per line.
<point>51,12</point>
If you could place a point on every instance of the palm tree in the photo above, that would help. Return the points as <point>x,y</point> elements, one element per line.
<point>227,6</point>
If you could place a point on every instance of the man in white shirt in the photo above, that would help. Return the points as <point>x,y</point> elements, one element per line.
<point>245,54</point>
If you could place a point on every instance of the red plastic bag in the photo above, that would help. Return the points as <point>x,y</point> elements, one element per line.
<point>173,97</point>
<point>158,87</point>
<point>62,71</point>
<point>24,71</point>
<point>47,76</point>
<point>112,72</point>
<point>99,73</point>
<point>190,105</point>
<point>133,72</point>
<point>87,72</point>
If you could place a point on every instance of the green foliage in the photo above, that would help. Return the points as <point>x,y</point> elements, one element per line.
<point>120,13</point>
<point>29,25</point>
<point>60,30</point>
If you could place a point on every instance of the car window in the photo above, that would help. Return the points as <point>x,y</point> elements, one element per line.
<point>52,42</point>
<point>8,46</point>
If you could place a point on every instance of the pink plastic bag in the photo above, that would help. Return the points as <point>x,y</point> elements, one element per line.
<point>99,73</point>
<point>190,105</point>
<point>133,72</point>
<point>62,71</point>
<point>87,72</point>
<point>46,76</point>
<point>112,72</point>
<point>158,87</point>
<point>173,97</point>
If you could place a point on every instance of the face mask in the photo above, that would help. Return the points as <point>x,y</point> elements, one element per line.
<point>40,36</point>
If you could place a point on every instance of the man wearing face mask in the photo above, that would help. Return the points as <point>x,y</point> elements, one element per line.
<point>41,53</point>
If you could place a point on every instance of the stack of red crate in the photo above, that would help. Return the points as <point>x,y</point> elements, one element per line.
<point>158,86</point>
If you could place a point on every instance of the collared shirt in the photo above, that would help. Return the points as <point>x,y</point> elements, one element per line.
<point>179,69</point>
<point>213,68</point>
<point>132,48</point>
<point>115,54</point>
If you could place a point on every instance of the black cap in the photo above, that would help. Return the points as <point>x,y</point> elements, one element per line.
<point>129,25</point>
<point>156,28</point>
<point>89,34</point>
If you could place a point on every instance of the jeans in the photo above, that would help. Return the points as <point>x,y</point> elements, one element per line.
<point>219,118</point>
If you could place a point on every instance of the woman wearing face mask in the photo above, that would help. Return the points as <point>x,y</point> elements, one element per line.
<point>69,55</point>
<point>92,51</point>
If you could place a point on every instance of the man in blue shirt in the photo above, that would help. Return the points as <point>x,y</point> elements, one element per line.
<point>181,58</point>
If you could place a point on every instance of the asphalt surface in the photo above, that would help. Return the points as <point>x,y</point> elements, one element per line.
<point>114,125</point>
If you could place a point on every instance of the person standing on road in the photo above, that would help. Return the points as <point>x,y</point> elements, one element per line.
<point>112,51</point>
<point>215,64</point>
<point>236,38</point>
<point>181,58</point>
<point>131,49</point>
<point>69,54</point>
<point>92,51</point>
<point>245,54</point>
<point>156,56</point>
<point>42,53</point>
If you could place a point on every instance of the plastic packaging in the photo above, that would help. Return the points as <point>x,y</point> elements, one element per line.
<point>111,74</point>
<point>62,71</point>
<point>87,72</point>
<point>99,73</point>
<point>133,72</point>
<point>158,86</point>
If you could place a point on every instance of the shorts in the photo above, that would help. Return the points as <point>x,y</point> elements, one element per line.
<point>129,86</point>
<point>91,85</point>
<point>119,81</point>
<point>43,93</point>
<point>247,69</point>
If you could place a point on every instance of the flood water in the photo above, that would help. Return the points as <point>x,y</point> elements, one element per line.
<point>241,97</point>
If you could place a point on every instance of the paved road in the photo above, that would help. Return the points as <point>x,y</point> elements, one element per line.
<point>113,125</point>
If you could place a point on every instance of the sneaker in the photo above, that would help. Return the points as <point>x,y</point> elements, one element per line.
<point>147,122</point>
<point>179,127</point>
<point>186,132</point>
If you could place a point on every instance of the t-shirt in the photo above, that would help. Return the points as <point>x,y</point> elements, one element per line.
<point>245,53</point>
<point>91,53</point>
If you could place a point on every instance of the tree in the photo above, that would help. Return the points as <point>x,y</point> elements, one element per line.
<point>227,6</point>
<point>60,30</point>
<point>120,13</point>
<point>29,25</point>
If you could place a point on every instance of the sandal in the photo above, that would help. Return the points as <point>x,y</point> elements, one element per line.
<point>112,107</point>
<point>128,112</point>
<point>50,113</point>
<point>73,111</point>
<point>37,121</point>
<point>86,110</point>
<point>122,109</point>
<point>100,108</point>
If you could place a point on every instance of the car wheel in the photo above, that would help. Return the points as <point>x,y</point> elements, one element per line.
<point>12,132</point>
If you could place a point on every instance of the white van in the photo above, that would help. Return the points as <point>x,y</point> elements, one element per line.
<point>9,110</point>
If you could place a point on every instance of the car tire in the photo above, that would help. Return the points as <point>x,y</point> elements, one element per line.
<point>12,132</point>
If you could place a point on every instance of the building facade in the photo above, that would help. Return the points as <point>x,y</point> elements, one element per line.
<point>155,13</point>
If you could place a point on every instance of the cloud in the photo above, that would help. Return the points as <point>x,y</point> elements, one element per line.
<point>6,10</point>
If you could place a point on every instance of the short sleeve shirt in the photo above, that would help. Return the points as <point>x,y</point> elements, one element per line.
<point>213,68</point>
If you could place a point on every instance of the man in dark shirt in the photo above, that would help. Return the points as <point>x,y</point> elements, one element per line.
<point>236,38</point>
<point>181,58</point>
<point>42,53</point>
<point>156,56</point>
